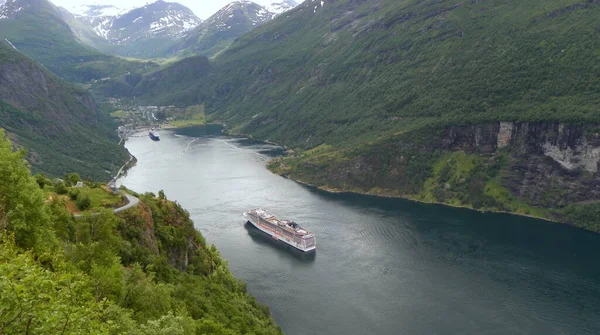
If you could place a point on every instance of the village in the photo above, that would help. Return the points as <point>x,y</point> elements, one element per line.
<point>144,118</point>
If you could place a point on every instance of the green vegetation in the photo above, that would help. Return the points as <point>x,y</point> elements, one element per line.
<point>119,114</point>
<point>469,180</point>
<point>347,79</point>
<point>173,83</point>
<point>583,215</point>
<point>40,32</point>
<point>95,198</point>
<point>58,123</point>
<point>191,116</point>
<point>146,271</point>
<point>364,94</point>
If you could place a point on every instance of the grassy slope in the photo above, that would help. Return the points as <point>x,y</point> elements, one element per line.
<point>56,122</point>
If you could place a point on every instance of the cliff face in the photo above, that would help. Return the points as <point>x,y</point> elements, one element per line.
<point>546,157</point>
<point>536,168</point>
<point>29,88</point>
<point>162,228</point>
<point>567,144</point>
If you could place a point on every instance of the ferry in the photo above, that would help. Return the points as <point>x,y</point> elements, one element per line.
<point>154,136</point>
<point>286,231</point>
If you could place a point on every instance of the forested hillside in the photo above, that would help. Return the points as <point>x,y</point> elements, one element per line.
<point>59,124</point>
<point>374,68</point>
<point>146,271</point>
<point>361,88</point>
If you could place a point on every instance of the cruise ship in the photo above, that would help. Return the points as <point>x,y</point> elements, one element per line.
<point>286,231</point>
<point>154,136</point>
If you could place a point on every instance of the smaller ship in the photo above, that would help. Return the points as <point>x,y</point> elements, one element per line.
<point>285,231</point>
<point>154,135</point>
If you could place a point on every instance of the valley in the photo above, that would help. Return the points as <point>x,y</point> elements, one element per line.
<point>316,82</point>
<point>378,106</point>
<point>329,112</point>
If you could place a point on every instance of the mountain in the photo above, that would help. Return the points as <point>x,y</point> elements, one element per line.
<point>141,32</point>
<point>98,19</point>
<point>38,29</point>
<point>484,104</point>
<point>58,123</point>
<point>85,32</point>
<point>220,30</point>
<point>278,8</point>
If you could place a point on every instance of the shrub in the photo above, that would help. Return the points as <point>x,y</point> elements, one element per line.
<point>42,181</point>
<point>83,202</point>
<point>72,178</point>
<point>74,194</point>
<point>60,188</point>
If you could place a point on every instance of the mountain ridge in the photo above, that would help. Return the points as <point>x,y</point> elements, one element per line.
<point>140,32</point>
<point>42,33</point>
<point>217,32</point>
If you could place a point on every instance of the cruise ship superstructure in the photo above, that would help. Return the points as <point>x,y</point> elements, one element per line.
<point>286,231</point>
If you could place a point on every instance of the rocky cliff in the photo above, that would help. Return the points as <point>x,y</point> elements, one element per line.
<point>544,169</point>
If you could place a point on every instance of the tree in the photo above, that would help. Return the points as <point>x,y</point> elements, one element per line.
<point>21,199</point>
<point>42,180</point>
<point>60,188</point>
<point>74,194</point>
<point>83,202</point>
<point>34,300</point>
<point>72,179</point>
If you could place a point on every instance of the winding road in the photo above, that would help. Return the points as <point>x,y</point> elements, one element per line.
<point>132,202</point>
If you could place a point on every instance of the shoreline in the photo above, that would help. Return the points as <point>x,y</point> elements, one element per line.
<point>127,166</point>
<point>336,191</point>
<point>385,196</point>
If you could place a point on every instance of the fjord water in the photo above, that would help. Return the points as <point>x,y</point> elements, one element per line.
<point>382,266</point>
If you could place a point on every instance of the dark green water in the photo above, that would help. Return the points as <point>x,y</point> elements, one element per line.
<point>382,266</point>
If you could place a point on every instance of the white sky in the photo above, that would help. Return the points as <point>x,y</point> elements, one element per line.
<point>202,8</point>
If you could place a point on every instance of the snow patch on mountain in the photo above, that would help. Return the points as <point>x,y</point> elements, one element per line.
<point>278,8</point>
<point>237,13</point>
<point>155,19</point>
<point>10,8</point>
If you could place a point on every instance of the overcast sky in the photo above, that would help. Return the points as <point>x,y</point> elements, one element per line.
<point>202,8</point>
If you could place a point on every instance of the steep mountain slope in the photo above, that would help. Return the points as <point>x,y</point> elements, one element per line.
<point>85,32</point>
<point>143,271</point>
<point>381,92</point>
<point>220,30</point>
<point>57,123</point>
<point>142,32</point>
<point>99,18</point>
<point>37,28</point>
<point>278,8</point>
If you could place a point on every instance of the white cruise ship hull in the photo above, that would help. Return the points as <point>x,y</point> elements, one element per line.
<point>278,236</point>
